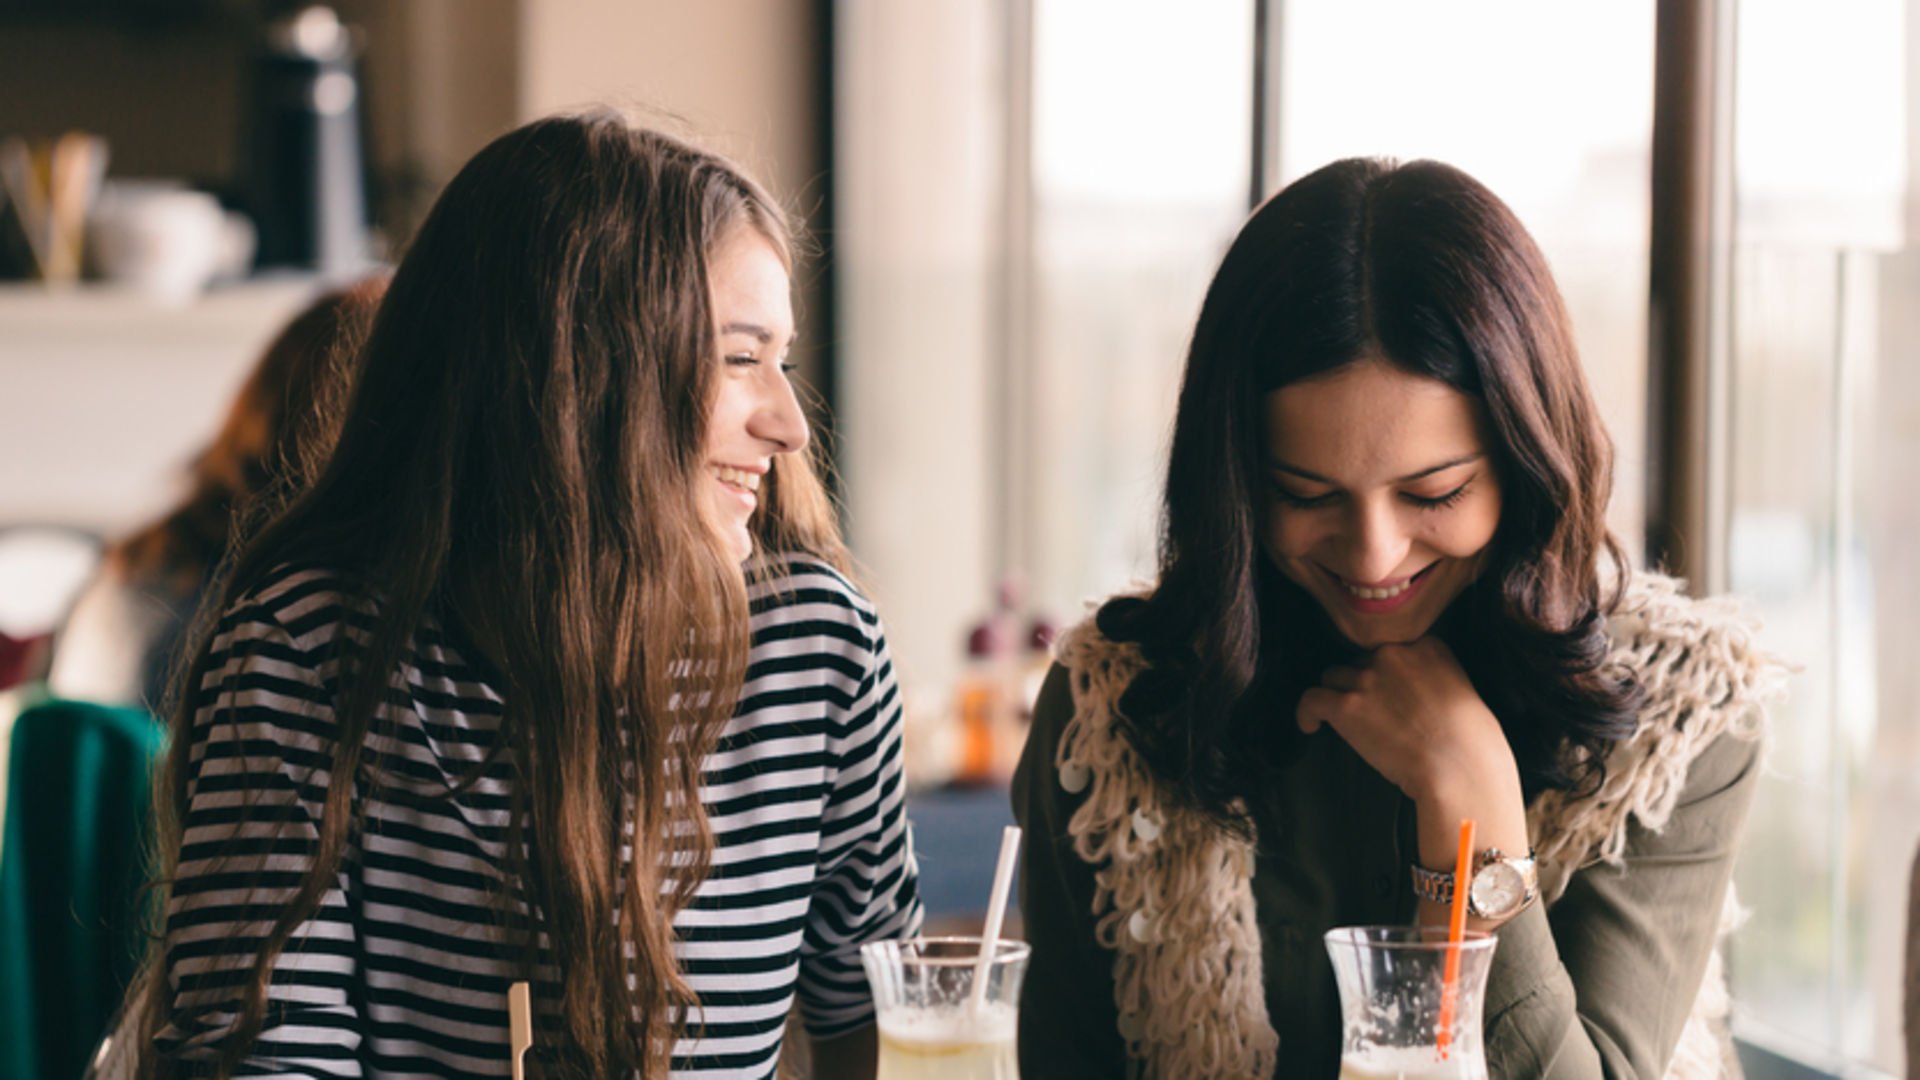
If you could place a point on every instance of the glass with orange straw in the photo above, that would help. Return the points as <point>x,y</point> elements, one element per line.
<point>1411,996</point>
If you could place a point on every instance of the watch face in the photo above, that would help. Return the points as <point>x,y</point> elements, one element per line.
<point>1497,889</point>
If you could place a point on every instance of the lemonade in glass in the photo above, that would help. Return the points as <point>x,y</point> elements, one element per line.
<point>938,1020</point>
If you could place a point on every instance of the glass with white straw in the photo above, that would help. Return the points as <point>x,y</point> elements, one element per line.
<point>948,1006</point>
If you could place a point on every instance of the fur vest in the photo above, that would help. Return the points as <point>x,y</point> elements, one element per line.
<point>1173,895</point>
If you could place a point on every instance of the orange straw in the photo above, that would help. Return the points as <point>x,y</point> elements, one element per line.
<point>1456,933</point>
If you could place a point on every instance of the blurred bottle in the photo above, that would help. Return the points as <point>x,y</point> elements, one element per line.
<point>987,701</point>
<point>982,704</point>
<point>306,181</point>
<point>1006,663</point>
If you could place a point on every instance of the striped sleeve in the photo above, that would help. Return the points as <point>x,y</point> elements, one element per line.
<point>258,770</point>
<point>868,888</point>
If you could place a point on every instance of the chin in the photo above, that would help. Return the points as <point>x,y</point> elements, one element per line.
<point>1375,637</point>
<point>1372,632</point>
<point>733,543</point>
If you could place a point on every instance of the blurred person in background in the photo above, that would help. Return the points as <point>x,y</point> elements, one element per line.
<point>119,641</point>
<point>1387,601</point>
<point>553,674</point>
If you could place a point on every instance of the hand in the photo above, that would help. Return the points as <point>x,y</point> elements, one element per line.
<point>1414,716</point>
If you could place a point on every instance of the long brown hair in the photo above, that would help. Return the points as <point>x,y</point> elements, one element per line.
<point>521,460</point>
<point>278,430</point>
<point>1422,265</point>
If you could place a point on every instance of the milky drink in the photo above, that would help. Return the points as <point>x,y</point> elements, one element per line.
<point>1411,1063</point>
<point>948,1044</point>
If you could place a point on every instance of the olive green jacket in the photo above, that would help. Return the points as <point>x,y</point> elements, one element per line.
<point>1164,947</point>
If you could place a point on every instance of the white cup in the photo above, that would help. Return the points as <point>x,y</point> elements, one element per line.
<point>162,239</point>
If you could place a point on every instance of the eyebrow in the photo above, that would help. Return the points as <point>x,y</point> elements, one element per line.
<point>1407,479</point>
<point>754,330</point>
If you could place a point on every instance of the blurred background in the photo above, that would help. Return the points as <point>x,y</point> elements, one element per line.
<point>1013,207</point>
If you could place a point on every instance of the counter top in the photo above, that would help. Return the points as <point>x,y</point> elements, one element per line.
<point>105,395</point>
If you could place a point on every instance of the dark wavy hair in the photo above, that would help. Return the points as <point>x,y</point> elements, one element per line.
<point>1422,265</point>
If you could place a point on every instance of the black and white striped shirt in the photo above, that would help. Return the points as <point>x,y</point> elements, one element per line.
<point>400,972</point>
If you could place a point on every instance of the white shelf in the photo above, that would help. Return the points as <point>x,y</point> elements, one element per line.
<point>105,395</point>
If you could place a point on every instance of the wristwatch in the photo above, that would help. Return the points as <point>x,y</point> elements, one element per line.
<point>1502,885</point>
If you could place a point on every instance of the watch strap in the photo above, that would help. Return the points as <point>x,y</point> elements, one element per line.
<point>1437,885</point>
<point>1432,885</point>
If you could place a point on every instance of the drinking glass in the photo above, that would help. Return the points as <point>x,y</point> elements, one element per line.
<point>932,1027</point>
<point>1391,980</point>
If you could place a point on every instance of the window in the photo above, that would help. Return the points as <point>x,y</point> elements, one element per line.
<point>1824,421</point>
<point>1030,200</point>
<point>1141,152</point>
<point>1551,106</point>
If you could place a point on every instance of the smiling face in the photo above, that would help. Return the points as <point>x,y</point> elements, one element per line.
<point>754,414</point>
<point>1381,496</point>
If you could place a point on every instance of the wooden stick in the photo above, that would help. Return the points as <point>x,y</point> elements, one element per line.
<point>520,1025</point>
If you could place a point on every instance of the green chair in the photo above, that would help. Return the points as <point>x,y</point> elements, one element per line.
<point>72,869</point>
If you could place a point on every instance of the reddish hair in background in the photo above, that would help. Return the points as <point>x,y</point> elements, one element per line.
<point>277,433</point>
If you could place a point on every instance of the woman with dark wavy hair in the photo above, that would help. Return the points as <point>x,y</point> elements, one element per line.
<point>1387,601</point>
<point>493,700</point>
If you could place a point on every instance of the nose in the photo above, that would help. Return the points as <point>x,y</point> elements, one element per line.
<point>777,417</point>
<point>1377,543</point>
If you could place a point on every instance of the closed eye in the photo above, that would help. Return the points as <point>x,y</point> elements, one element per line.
<point>1439,502</point>
<point>1303,501</point>
<point>787,367</point>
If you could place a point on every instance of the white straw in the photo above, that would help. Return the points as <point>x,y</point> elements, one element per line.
<point>996,913</point>
<point>520,1025</point>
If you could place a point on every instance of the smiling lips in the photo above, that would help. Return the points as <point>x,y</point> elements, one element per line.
<point>1385,597</point>
<point>742,484</point>
<point>739,478</point>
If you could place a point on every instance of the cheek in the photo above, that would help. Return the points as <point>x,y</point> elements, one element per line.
<point>1466,532</point>
<point>1289,535</point>
<point>725,413</point>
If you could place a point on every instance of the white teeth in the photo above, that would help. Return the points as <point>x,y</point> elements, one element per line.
<point>1365,593</point>
<point>739,478</point>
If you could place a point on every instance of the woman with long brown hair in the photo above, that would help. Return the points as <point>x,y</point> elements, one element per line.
<point>495,701</point>
<point>1387,601</point>
<point>119,641</point>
